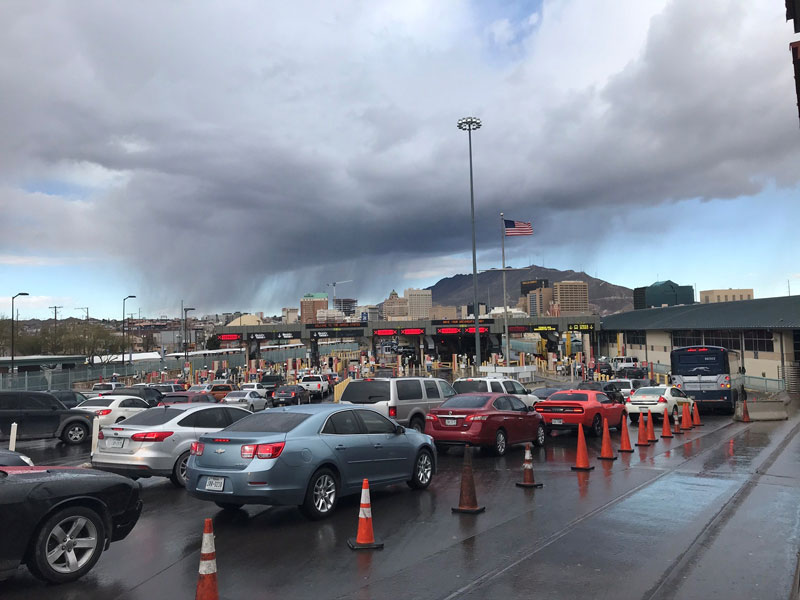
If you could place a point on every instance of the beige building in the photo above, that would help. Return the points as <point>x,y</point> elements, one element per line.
<point>729,295</point>
<point>571,296</point>
<point>419,303</point>
<point>290,315</point>
<point>444,312</point>
<point>310,304</point>
<point>539,302</point>
<point>329,315</point>
<point>395,306</point>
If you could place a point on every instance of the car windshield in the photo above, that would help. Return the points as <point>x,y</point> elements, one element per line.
<point>465,401</point>
<point>544,392</point>
<point>154,416</point>
<point>650,391</point>
<point>97,402</point>
<point>466,386</point>
<point>236,395</point>
<point>569,397</point>
<point>197,388</point>
<point>366,392</point>
<point>269,422</point>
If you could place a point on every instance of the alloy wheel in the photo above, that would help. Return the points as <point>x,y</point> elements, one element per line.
<point>324,493</point>
<point>71,544</point>
<point>424,468</point>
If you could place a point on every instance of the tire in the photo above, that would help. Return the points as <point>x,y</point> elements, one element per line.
<point>229,505</point>
<point>634,417</point>
<point>541,435</point>
<point>81,525</point>
<point>75,433</point>
<point>500,442</point>
<point>417,424</point>
<point>597,426</point>
<point>322,495</point>
<point>178,476</point>
<point>423,471</point>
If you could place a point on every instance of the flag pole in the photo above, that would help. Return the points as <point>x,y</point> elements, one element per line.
<point>505,301</point>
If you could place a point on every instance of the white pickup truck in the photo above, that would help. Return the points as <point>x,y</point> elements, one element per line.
<point>317,385</point>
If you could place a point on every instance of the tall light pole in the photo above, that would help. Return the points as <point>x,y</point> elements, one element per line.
<point>123,327</point>
<point>55,325</point>
<point>469,124</point>
<point>185,340</point>
<point>85,333</point>
<point>12,328</point>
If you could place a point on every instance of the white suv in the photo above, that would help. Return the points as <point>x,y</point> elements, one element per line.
<point>495,385</point>
<point>624,362</point>
<point>656,399</point>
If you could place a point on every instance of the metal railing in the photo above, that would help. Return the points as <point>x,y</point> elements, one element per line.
<point>763,384</point>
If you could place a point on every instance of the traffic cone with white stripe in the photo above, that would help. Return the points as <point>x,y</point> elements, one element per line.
<point>207,579</point>
<point>527,471</point>
<point>365,538</point>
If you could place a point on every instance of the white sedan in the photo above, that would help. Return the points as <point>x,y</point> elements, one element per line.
<point>254,387</point>
<point>247,399</point>
<point>113,409</point>
<point>656,399</point>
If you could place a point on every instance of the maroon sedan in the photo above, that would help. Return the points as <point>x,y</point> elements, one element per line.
<point>489,420</point>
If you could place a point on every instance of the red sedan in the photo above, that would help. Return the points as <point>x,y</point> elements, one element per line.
<point>567,408</point>
<point>489,420</point>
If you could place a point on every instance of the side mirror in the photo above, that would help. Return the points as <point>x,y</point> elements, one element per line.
<point>530,408</point>
<point>399,429</point>
<point>527,391</point>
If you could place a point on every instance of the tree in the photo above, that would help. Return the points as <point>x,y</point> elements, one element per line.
<point>213,343</point>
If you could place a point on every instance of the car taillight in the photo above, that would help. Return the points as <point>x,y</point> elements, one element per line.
<point>662,400</point>
<point>431,417</point>
<point>471,418</point>
<point>319,385</point>
<point>627,399</point>
<point>293,393</point>
<point>100,435</point>
<point>393,411</point>
<point>727,378</point>
<point>103,412</point>
<point>270,450</point>
<point>197,449</point>
<point>151,436</point>
<point>678,385</point>
<point>248,450</point>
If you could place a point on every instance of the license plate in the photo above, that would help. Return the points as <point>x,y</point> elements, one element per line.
<point>115,443</point>
<point>450,422</point>
<point>558,421</point>
<point>215,484</point>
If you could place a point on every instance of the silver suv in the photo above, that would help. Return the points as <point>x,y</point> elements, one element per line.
<point>495,385</point>
<point>405,399</point>
<point>156,441</point>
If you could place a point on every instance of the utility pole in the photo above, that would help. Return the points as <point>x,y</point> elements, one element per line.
<point>85,331</point>
<point>55,325</point>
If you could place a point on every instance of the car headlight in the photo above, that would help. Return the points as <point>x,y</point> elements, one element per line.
<point>26,459</point>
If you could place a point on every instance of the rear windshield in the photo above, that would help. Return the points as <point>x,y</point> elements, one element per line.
<point>366,392</point>
<point>197,388</point>
<point>163,388</point>
<point>154,416</point>
<point>569,397</point>
<point>623,385</point>
<point>650,391</point>
<point>287,389</point>
<point>97,402</point>
<point>269,422</point>
<point>102,386</point>
<point>175,398</point>
<point>312,378</point>
<point>589,385</point>
<point>544,392</point>
<point>464,387</point>
<point>270,379</point>
<point>465,401</point>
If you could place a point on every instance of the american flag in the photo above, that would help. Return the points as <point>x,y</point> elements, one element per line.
<point>517,228</point>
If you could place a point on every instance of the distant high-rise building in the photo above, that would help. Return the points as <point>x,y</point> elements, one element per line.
<point>539,301</point>
<point>469,310</point>
<point>370,310</point>
<point>329,315</point>
<point>526,287</point>
<point>729,295</point>
<point>310,304</point>
<point>662,293</point>
<point>395,306</point>
<point>346,305</point>
<point>571,296</point>
<point>419,303</point>
<point>289,315</point>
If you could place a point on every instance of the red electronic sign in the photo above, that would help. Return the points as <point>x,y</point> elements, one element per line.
<point>518,328</point>
<point>481,330</point>
<point>385,332</point>
<point>412,331</point>
<point>449,330</point>
<point>229,337</point>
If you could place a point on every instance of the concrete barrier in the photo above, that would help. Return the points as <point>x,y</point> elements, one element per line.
<point>763,410</point>
<point>338,389</point>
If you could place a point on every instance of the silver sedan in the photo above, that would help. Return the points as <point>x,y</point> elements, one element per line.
<point>156,442</point>
<point>308,456</point>
<point>249,399</point>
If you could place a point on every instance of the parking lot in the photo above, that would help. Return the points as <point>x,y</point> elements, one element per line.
<point>711,513</point>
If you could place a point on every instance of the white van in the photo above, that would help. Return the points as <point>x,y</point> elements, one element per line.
<point>623,362</point>
<point>405,399</point>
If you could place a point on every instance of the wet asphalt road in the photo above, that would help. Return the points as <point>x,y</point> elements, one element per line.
<point>714,513</point>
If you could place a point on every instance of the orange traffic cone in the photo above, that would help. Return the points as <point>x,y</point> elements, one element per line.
<point>606,453</point>
<point>695,416</point>
<point>666,432</point>
<point>745,414</point>
<point>207,579</point>
<point>624,438</point>
<point>365,539</point>
<point>686,419</point>
<point>527,471</point>
<point>642,439</point>
<point>468,499</point>
<point>582,457</point>
<point>651,434</point>
<point>676,430</point>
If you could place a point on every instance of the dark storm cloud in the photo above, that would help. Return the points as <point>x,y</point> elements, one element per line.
<point>246,155</point>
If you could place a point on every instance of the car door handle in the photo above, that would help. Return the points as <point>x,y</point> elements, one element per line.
<point>340,447</point>
<point>378,445</point>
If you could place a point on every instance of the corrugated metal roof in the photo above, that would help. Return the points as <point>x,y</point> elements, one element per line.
<point>765,313</point>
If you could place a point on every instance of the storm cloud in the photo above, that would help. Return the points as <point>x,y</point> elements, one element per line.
<point>249,152</point>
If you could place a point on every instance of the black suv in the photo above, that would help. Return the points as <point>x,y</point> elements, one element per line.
<point>149,394</point>
<point>40,415</point>
<point>272,383</point>
<point>609,388</point>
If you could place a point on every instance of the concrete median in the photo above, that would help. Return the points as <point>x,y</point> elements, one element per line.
<point>765,408</point>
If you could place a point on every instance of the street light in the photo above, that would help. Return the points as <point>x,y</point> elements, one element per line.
<point>469,124</point>
<point>12,328</point>
<point>124,345</point>
<point>185,339</point>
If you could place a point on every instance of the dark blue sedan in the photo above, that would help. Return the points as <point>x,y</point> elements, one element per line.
<point>307,456</point>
